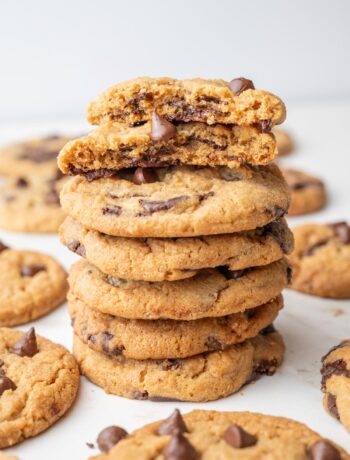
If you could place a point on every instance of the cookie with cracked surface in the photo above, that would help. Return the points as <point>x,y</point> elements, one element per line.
<point>204,377</point>
<point>285,143</point>
<point>32,284</point>
<point>321,260</point>
<point>165,259</point>
<point>225,435</point>
<point>32,157</point>
<point>110,148</point>
<point>212,292</point>
<point>336,382</point>
<point>209,101</point>
<point>38,383</point>
<point>308,193</point>
<point>161,339</point>
<point>184,201</point>
<point>31,204</point>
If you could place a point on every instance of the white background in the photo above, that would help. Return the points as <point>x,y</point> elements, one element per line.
<point>55,56</point>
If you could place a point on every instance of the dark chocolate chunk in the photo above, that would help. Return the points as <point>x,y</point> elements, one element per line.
<point>332,406</point>
<point>238,85</point>
<point>342,231</point>
<point>173,424</point>
<point>324,450</point>
<point>169,364</point>
<point>279,212</point>
<point>91,175</point>
<point>270,329</point>
<point>77,247</point>
<point>116,282</point>
<point>238,438</point>
<point>156,206</point>
<point>140,395</point>
<point>31,270</point>
<point>112,209</point>
<point>162,129</point>
<point>6,384</point>
<point>26,345</point>
<point>109,437</point>
<point>3,247</point>
<point>179,448</point>
<point>266,126</point>
<point>213,344</point>
<point>205,196</point>
<point>230,175</point>
<point>231,274</point>
<point>310,251</point>
<point>289,274</point>
<point>144,176</point>
<point>337,367</point>
<point>22,182</point>
<point>264,367</point>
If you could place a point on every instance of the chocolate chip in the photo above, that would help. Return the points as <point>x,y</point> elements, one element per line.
<point>238,438</point>
<point>279,212</point>
<point>31,270</point>
<point>22,182</point>
<point>26,345</point>
<point>173,424</point>
<point>156,206</point>
<point>77,247</point>
<point>112,209</point>
<point>169,364</point>
<point>109,437</point>
<point>52,196</point>
<point>231,274</point>
<point>289,274</point>
<point>342,231</point>
<point>144,176</point>
<point>279,233</point>
<point>3,247</point>
<point>6,384</point>
<point>162,129</point>
<point>263,367</point>
<point>324,450</point>
<point>205,196</point>
<point>140,395</point>
<point>310,251</point>
<point>179,448</point>
<point>238,85</point>
<point>270,329</point>
<point>213,344</point>
<point>337,367</point>
<point>93,174</point>
<point>230,175</point>
<point>116,282</point>
<point>90,445</point>
<point>332,406</point>
<point>266,125</point>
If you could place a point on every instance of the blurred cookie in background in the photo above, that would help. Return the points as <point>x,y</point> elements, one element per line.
<point>31,203</point>
<point>285,142</point>
<point>321,260</point>
<point>308,193</point>
<point>34,156</point>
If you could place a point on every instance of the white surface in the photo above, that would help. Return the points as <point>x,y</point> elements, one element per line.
<point>309,324</point>
<point>56,55</point>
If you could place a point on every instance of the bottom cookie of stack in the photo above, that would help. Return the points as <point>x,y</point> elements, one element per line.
<point>204,377</point>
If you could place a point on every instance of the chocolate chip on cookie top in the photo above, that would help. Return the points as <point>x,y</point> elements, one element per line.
<point>174,423</point>
<point>179,448</point>
<point>26,345</point>
<point>238,85</point>
<point>238,438</point>
<point>324,450</point>
<point>110,436</point>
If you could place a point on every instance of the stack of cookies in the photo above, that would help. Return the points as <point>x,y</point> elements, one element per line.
<point>178,215</point>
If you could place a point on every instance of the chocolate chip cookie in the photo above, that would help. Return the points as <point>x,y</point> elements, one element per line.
<point>209,101</point>
<point>336,382</point>
<point>182,201</point>
<point>321,260</point>
<point>32,157</point>
<point>161,339</point>
<point>308,193</point>
<point>112,147</point>
<point>204,377</point>
<point>38,383</point>
<point>31,203</point>
<point>212,292</point>
<point>32,284</point>
<point>220,435</point>
<point>170,259</point>
<point>285,143</point>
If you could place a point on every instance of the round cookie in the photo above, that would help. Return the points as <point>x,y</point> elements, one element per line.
<point>321,260</point>
<point>308,193</point>
<point>212,292</point>
<point>170,259</point>
<point>285,143</point>
<point>204,377</point>
<point>31,204</point>
<point>184,201</point>
<point>32,157</point>
<point>213,435</point>
<point>336,382</point>
<point>32,284</point>
<point>161,339</point>
<point>38,383</point>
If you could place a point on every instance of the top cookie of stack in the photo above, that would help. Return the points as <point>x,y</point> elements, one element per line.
<point>160,122</point>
